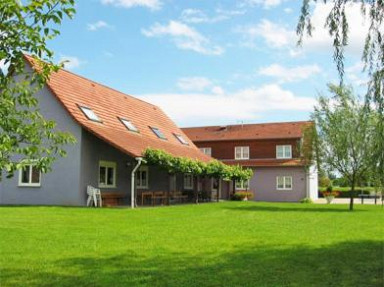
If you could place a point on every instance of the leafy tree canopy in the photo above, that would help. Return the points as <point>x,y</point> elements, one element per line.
<point>345,135</point>
<point>25,135</point>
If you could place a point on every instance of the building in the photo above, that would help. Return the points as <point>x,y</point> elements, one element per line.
<point>112,131</point>
<point>272,151</point>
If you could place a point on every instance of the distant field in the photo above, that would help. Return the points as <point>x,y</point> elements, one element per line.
<point>213,244</point>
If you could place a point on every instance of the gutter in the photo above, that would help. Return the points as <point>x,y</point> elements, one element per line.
<point>139,161</point>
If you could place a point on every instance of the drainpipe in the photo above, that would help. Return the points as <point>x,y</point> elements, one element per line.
<point>139,161</point>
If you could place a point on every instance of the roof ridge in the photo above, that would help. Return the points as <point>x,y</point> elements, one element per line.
<point>237,125</point>
<point>97,83</point>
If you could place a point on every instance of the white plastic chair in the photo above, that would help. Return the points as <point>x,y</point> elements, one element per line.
<point>94,196</point>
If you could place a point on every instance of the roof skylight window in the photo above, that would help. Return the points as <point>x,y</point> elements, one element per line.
<point>158,133</point>
<point>90,114</point>
<point>181,139</point>
<point>129,125</point>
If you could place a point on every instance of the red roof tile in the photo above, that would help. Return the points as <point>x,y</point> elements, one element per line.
<point>265,162</point>
<point>108,104</point>
<point>247,132</point>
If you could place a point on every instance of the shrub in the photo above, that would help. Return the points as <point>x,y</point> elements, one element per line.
<point>306,200</point>
<point>241,195</point>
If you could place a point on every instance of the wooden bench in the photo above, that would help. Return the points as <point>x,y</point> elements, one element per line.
<point>363,195</point>
<point>113,198</point>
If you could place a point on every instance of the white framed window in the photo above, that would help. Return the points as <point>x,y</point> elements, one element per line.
<point>107,174</point>
<point>90,114</point>
<point>214,184</point>
<point>284,182</point>
<point>129,125</point>
<point>142,177</point>
<point>206,150</point>
<point>30,176</point>
<point>181,139</point>
<point>242,184</point>
<point>188,181</point>
<point>158,133</point>
<point>283,151</point>
<point>242,152</point>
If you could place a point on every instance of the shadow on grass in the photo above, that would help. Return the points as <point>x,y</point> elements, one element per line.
<point>288,207</point>
<point>345,264</point>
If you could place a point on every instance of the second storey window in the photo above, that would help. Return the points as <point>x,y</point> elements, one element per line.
<point>188,181</point>
<point>29,176</point>
<point>284,151</point>
<point>206,150</point>
<point>242,152</point>
<point>107,174</point>
<point>142,177</point>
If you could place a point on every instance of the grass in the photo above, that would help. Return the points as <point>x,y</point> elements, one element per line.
<point>216,244</point>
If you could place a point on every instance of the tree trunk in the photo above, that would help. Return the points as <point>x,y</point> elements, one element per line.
<point>196,188</point>
<point>352,196</point>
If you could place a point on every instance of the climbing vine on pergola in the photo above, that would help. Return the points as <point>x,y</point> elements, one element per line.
<point>212,169</point>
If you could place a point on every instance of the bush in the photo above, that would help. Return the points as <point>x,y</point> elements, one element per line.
<point>241,195</point>
<point>306,200</point>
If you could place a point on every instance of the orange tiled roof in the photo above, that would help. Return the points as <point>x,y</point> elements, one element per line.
<point>265,162</point>
<point>247,132</point>
<point>108,104</point>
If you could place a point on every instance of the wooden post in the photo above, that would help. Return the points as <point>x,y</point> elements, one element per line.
<point>218,190</point>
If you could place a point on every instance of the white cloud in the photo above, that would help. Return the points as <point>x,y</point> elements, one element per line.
<point>284,74</point>
<point>71,62</point>
<point>151,4</point>
<point>217,90</point>
<point>275,35</point>
<point>242,105</point>
<point>288,10</point>
<point>321,40</point>
<point>98,25</point>
<point>197,16</point>
<point>184,37</point>
<point>356,75</point>
<point>196,84</point>
<point>267,4</point>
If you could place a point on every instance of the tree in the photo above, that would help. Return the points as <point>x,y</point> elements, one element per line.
<point>345,129</point>
<point>373,58</point>
<point>25,136</point>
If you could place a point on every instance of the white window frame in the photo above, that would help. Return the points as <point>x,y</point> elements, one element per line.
<point>129,125</point>
<point>29,183</point>
<point>90,114</point>
<point>188,187</point>
<point>242,152</point>
<point>139,183</point>
<point>108,164</point>
<point>285,177</point>
<point>242,186</point>
<point>285,149</point>
<point>181,139</point>
<point>206,150</point>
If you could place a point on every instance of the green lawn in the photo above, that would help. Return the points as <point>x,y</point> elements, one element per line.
<point>216,244</point>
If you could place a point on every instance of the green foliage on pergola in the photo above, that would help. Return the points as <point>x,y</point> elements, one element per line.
<point>213,168</point>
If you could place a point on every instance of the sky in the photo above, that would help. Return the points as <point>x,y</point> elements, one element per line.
<point>209,62</point>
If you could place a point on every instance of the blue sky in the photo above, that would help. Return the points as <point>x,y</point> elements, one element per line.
<point>208,62</point>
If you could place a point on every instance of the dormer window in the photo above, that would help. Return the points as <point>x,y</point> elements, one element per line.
<point>158,133</point>
<point>283,151</point>
<point>181,139</point>
<point>90,114</point>
<point>129,125</point>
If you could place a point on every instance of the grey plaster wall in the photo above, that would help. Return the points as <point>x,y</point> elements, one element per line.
<point>263,184</point>
<point>61,186</point>
<point>94,150</point>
